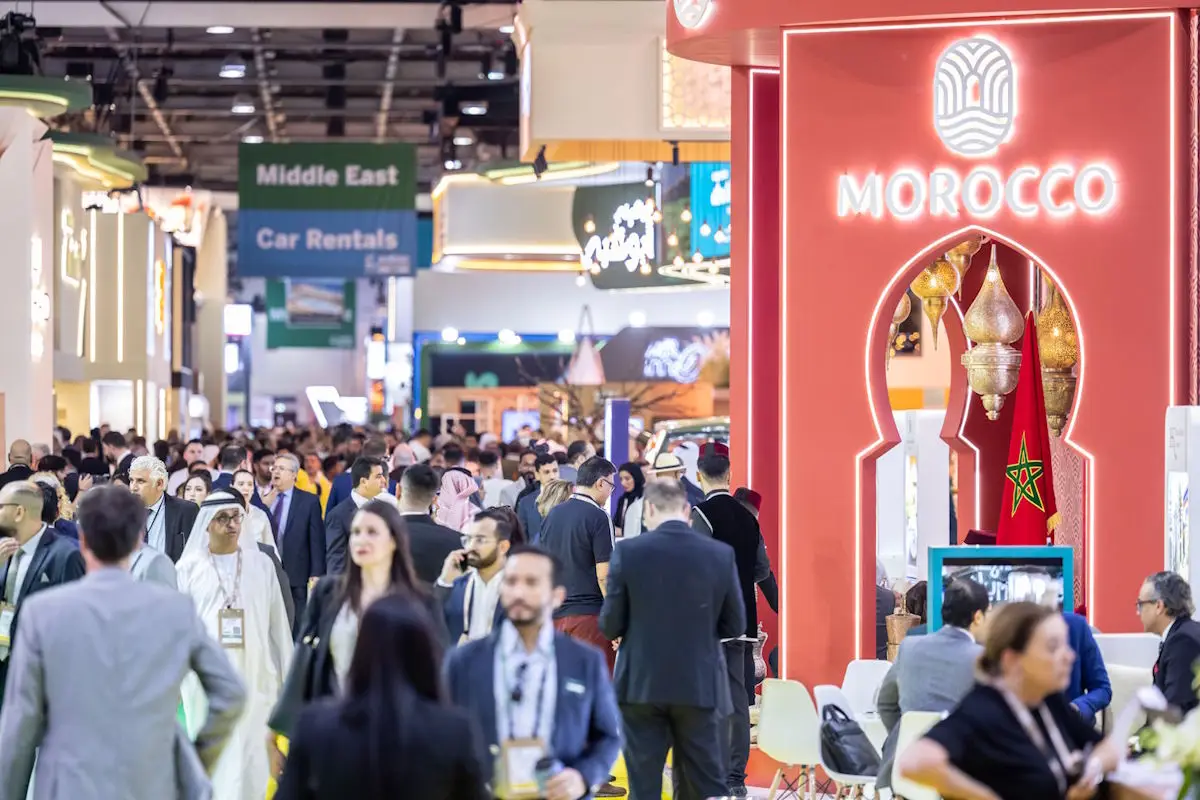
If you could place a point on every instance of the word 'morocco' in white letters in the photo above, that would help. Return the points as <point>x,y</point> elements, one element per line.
<point>1060,191</point>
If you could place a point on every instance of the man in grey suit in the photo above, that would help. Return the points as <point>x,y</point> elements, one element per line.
<point>104,655</point>
<point>934,672</point>
<point>148,564</point>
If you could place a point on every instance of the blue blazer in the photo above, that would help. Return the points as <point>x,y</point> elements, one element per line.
<point>1089,688</point>
<point>531,520</point>
<point>452,600</point>
<point>67,528</point>
<point>587,723</point>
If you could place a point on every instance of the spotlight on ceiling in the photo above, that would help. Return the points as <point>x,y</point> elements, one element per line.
<point>650,177</point>
<point>493,69</point>
<point>233,68</point>
<point>449,334</point>
<point>474,109</point>
<point>219,30</point>
<point>452,164</point>
<point>242,105</point>
<point>463,138</point>
<point>252,138</point>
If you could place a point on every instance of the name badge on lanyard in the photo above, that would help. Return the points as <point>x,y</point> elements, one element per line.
<point>7,615</point>
<point>516,773</point>
<point>231,623</point>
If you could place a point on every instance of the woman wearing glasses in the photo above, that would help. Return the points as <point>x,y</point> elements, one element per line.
<point>380,565</point>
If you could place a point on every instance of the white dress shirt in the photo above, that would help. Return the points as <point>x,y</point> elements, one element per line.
<point>156,525</point>
<point>361,501</point>
<point>536,674</point>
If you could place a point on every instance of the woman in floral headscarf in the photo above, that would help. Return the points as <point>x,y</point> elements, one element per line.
<point>454,508</point>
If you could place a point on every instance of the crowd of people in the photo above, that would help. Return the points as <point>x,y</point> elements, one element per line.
<point>359,614</point>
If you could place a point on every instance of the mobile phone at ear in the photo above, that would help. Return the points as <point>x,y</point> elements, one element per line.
<point>462,562</point>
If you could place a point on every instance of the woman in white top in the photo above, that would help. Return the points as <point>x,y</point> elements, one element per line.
<point>257,526</point>
<point>380,564</point>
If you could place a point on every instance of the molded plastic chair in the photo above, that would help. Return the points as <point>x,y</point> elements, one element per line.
<point>913,726</point>
<point>829,695</point>
<point>861,684</point>
<point>789,732</point>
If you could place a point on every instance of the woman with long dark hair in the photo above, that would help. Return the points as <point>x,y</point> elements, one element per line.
<point>391,734</point>
<point>380,565</point>
<point>633,483</point>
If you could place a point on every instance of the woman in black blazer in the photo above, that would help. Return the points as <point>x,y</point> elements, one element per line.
<point>379,565</point>
<point>392,734</point>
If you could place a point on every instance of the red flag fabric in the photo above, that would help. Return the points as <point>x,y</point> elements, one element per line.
<point>1028,512</point>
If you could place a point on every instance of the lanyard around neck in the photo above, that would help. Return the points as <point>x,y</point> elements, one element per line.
<point>511,699</point>
<point>1058,757</point>
<point>230,596</point>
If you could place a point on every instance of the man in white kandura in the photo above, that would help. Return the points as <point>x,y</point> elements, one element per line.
<point>236,593</point>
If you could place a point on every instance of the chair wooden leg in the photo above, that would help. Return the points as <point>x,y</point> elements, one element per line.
<point>775,784</point>
<point>810,789</point>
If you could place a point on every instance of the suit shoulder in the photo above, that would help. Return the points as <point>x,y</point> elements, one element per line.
<point>467,654</point>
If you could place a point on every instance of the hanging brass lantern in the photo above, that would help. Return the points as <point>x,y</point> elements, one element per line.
<point>993,323</point>
<point>960,255</point>
<point>903,309</point>
<point>934,286</point>
<point>1058,346</point>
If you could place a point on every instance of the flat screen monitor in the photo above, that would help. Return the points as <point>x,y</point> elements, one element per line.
<point>1043,575</point>
<point>511,422</point>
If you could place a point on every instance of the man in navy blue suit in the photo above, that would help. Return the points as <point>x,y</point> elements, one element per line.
<point>301,533</point>
<point>526,681</point>
<point>341,486</point>
<point>470,597</point>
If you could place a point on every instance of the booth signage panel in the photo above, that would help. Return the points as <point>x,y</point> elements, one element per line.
<point>323,244</point>
<point>710,207</point>
<point>676,355</point>
<point>312,176</point>
<point>861,101</point>
<point>310,313</point>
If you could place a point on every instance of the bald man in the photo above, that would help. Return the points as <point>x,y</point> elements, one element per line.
<point>20,463</point>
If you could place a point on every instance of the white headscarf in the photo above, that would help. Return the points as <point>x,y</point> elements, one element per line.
<point>689,454</point>
<point>197,543</point>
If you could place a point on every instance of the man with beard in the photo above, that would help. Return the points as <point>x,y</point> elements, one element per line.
<point>471,599</point>
<point>546,470</point>
<point>526,477</point>
<point>529,686</point>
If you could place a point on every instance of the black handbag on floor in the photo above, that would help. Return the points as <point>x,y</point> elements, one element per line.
<point>845,746</point>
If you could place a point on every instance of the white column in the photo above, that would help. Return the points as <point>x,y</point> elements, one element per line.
<point>211,285</point>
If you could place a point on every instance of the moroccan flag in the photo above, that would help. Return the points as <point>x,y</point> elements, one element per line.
<point>1028,513</point>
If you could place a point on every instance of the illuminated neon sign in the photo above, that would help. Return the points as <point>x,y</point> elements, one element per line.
<point>974,113</point>
<point>630,242</point>
<point>1026,192</point>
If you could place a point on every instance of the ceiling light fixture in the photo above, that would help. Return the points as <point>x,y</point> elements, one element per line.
<point>219,30</point>
<point>463,138</point>
<point>242,105</point>
<point>252,138</point>
<point>650,177</point>
<point>566,336</point>
<point>233,68</point>
<point>476,109</point>
<point>637,319</point>
<point>449,334</point>
<point>452,164</point>
<point>507,30</point>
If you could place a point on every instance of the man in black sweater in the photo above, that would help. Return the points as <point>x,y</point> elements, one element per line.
<point>728,520</point>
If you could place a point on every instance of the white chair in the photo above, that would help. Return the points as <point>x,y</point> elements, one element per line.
<point>828,695</point>
<point>913,726</point>
<point>789,732</point>
<point>1129,649</point>
<point>861,684</point>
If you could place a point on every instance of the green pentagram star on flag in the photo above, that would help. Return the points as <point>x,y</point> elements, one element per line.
<point>1024,476</point>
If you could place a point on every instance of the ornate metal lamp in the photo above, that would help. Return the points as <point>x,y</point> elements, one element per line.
<point>1058,346</point>
<point>934,286</point>
<point>960,255</point>
<point>903,309</point>
<point>993,323</point>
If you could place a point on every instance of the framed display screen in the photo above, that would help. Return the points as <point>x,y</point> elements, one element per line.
<point>1043,575</point>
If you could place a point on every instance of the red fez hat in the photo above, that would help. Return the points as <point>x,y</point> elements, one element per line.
<point>716,449</point>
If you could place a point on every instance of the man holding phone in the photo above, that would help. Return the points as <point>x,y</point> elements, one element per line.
<point>469,586</point>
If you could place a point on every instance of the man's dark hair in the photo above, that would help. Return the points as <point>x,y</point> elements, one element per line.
<point>714,467</point>
<point>137,441</point>
<point>232,456</point>
<point>419,485</point>
<point>576,449</point>
<point>488,458</point>
<point>508,527</point>
<point>361,469</point>
<point>52,463</point>
<point>962,598</point>
<point>556,568</point>
<point>422,433</point>
<point>375,448</point>
<point>358,436</point>
<point>542,460</point>
<point>594,470</point>
<point>1174,592</point>
<point>560,457</point>
<point>114,439</point>
<point>453,454</point>
<point>259,455</point>
<point>328,463</point>
<point>111,522</point>
<point>191,442</point>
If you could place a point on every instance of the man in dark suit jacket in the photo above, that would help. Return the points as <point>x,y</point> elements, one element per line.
<point>428,541</point>
<point>664,623</point>
<point>301,534</point>
<point>470,597</point>
<point>584,730</point>
<point>545,470</point>
<point>1165,605</point>
<point>369,481</point>
<point>168,519</point>
<point>20,459</point>
<point>341,486</point>
<point>34,557</point>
